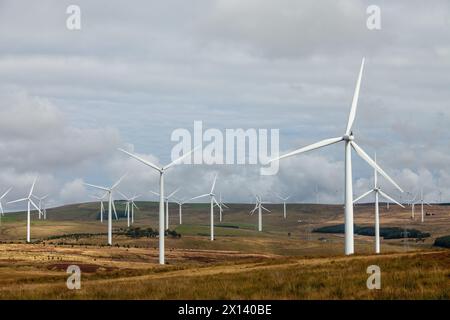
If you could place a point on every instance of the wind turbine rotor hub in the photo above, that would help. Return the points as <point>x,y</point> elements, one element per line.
<point>348,137</point>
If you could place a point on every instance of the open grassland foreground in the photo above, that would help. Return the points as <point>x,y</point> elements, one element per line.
<point>39,272</point>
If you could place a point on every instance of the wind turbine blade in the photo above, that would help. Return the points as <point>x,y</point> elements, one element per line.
<point>372,163</point>
<point>7,191</point>
<point>251,212</point>
<point>134,205</point>
<point>428,204</point>
<point>114,209</point>
<point>362,196</point>
<point>351,117</point>
<point>170,195</point>
<point>224,205</point>
<point>135,197</point>
<point>119,181</point>
<point>201,196</point>
<point>180,158</point>
<point>155,193</point>
<point>32,187</point>
<point>98,187</point>
<point>214,184</point>
<point>146,162</point>
<point>19,200</point>
<point>214,198</point>
<point>34,205</point>
<point>310,147</point>
<point>124,196</point>
<point>262,207</point>
<point>389,198</point>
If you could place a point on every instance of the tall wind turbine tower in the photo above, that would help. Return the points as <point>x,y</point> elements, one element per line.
<point>161,171</point>
<point>111,205</point>
<point>349,142</point>
<point>377,192</point>
<point>30,203</point>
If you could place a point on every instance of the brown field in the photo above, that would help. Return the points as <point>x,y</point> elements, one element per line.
<point>240,264</point>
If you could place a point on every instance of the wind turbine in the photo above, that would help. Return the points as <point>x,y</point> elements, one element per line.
<point>42,206</point>
<point>30,203</point>
<point>167,199</point>
<point>180,208</point>
<point>259,206</point>
<point>161,171</point>
<point>377,191</point>
<point>2,213</point>
<point>129,207</point>
<point>350,143</point>
<point>422,201</point>
<point>412,203</point>
<point>222,205</point>
<point>213,200</point>
<point>111,205</point>
<point>284,203</point>
<point>102,207</point>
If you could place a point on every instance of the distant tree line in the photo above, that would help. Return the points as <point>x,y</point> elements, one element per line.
<point>385,232</point>
<point>132,232</point>
<point>443,242</point>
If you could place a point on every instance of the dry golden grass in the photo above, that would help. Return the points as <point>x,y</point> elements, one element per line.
<point>241,264</point>
<point>36,272</point>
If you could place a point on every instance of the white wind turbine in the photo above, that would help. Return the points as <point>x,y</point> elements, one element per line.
<point>212,200</point>
<point>377,191</point>
<point>422,202</point>
<point>161,171</point>
<point>411,203</point>
<point>30,203</point>
<point>167,199</point>
<point>2,213</point>
<point>284,203</point>
<point>102,207</point>
<point>259,206</point>
<point>41,205</point>
<point>129,207</point>
<point>349,142</point>
<point>221,206</point>
<point>180,209</point>
<point>111,205</point>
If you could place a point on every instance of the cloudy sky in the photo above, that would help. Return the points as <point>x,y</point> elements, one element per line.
<point>137,71</point>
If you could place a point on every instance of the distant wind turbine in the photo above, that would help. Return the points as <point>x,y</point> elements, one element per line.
<point>377,191</point>
<point>111,205</point>
<point>2,213</point>
<point>41,205</point>
<point>30,203</point>
<point>259,206</point>
<point>350,143</point>
<point>161,171</point>
<point>221,206</point>
<point>284,199</point>
<point>180,209</point>
<point>213,200</point>
<point>102,207</point>
<point>422,202</point>
<point>129,207</point>
<point>167,199</point>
